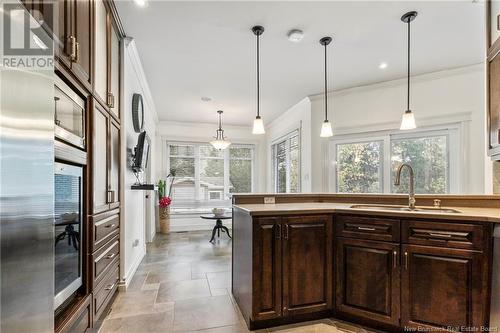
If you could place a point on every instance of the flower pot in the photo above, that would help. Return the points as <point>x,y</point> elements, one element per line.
<point>165,220</point>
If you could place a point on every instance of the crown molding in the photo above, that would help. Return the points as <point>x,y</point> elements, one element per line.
<point>397,82</point>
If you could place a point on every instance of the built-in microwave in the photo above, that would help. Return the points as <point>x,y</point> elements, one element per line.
<point>69,114</point>
<point>68,223</point>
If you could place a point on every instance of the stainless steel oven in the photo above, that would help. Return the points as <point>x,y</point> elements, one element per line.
<point>69,114</point>
<point>68,222</point>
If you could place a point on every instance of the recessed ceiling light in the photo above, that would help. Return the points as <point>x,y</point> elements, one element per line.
<point>383,65</point>
<point>295,35</point>
<point>140,3</point>
<point>206,99</point>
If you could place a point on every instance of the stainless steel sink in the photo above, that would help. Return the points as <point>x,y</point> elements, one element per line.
<point>407,209</point>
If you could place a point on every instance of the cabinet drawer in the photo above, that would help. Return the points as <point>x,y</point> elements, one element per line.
<point>104,258</point>
<point>373,228</point>
<point>105,227</point>
<point>456,235</point>
<point>78,321</point>
<point>105,291</point>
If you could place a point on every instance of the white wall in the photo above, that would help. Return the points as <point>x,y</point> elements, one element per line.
<point>296,117</point>
<point>135,230</point>
<point>437,98</point>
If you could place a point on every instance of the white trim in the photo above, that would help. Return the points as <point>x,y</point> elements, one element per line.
<point>135,60</point>
<point>125,282</point>
<point>394,83</point>
<point>457,153</point>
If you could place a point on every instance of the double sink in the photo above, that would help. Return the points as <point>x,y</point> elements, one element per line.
<point>407,209</point>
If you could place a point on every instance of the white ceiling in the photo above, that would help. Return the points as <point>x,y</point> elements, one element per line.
<point>194,49</point>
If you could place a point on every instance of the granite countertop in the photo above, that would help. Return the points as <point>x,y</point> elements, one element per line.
<point>466,213</point>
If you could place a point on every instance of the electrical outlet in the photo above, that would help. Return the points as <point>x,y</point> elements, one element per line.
<point>269,200</point>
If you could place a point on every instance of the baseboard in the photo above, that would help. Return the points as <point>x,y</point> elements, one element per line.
<point>130,274</point>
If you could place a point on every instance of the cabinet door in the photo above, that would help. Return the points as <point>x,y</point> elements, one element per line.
<point>494,102</point>
<point>266,269</point>
<point>100,158</point>
<point>443,287</point>
<point>367,280</point>
<point>82,30</point>
<point>307,262</point>
<point>61,27</point>
<point>114,172</point>
<point>114,71</point>
<point>100,51</point>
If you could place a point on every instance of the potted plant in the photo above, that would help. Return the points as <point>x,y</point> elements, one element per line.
<point>164,203</point>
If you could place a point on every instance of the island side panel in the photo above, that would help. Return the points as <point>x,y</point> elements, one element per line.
<point>242,261</point>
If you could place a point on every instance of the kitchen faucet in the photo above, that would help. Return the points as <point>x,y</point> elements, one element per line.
<point>397,182</point>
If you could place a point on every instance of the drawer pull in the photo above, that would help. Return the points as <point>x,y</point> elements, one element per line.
<point>109,286</point>
<point>110,225</point>
<point>406,260</point>
<point>440,235</point>
<point>110,256</point>
<point>278,231</point>
<point>366,229</point>
<point>395,259</point>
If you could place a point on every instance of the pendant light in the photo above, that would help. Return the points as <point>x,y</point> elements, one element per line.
<point>258,124</point>
<point>220,141</point>
<point>326,128</point>
<point>408,120</point>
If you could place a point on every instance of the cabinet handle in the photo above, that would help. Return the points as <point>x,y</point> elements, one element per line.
<point>110,225</point>
<point>394,259</point>
<point>286,232</point>
<point>111,100</point>
<point>406,260</point>
<point>366,229</point>
<point>109,286</point>
<point>111,196</point>
<point>110,256</point>
<point>278,231</point>
<point>439,235</point>
<point>77,51</point>
<point>72,46</point>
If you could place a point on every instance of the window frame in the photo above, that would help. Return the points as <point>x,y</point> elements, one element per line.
<point>197,166</point>
<point>286,139</point>
<point>454,153</point>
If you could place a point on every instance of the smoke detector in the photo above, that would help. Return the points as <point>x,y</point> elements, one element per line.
<point>295,35</point>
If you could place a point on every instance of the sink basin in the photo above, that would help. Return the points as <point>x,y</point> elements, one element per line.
<point>407,209</point>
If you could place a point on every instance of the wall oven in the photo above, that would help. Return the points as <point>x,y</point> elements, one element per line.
<point>68,223</point>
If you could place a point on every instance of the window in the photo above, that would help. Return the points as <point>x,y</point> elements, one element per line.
<point>205,177</point>
<point>359,167</point>
<point>286,163</point>
<point>368,165</point>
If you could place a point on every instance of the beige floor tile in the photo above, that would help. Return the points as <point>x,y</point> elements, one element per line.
<point>146,323</point>
<point>182,274</point>
<point>204,313</point>
<point>182,290</point>
<point>219,280</point>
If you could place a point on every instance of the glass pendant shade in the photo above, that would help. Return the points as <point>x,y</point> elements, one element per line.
<point>258,126</point>
<point>220,141</point>
<point>408,121</point>
<point>326,129</point>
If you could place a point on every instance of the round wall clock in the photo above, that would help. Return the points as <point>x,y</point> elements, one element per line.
<point>138,113</point>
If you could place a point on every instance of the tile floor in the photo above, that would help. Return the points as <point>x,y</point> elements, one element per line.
<point>183,285</point>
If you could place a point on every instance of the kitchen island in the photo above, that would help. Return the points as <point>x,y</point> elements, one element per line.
<point>366,259</point>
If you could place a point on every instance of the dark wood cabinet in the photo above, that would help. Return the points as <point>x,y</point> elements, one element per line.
<point>105,160</point>
<point>307,261</point>
<point>288,254</point>
<point>443,288</point>
<point>267,291</point>
<point>368,283</point>
<point>82,32</point>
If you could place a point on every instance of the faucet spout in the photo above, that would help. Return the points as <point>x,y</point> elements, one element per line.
<point>397,182</point>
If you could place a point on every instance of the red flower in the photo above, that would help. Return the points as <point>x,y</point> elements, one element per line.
<point>165,202</point>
